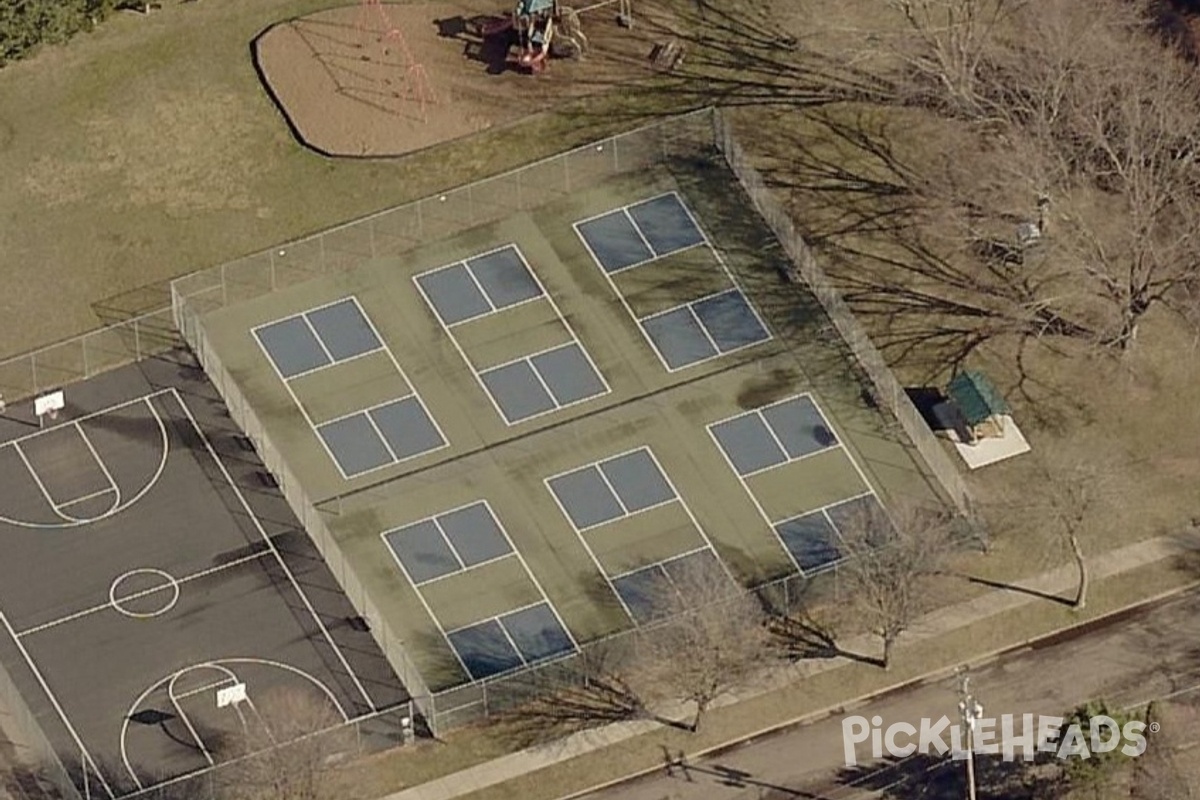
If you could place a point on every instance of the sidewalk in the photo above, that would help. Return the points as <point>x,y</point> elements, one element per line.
<point>938,623</point>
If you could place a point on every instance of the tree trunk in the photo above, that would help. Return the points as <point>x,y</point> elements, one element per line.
<point>1081,566</point>
<point>888,641</point>
<point>701,707</point>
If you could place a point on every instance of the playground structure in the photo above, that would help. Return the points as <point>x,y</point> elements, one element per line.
<point>373,22</point>
<point>545,29</point>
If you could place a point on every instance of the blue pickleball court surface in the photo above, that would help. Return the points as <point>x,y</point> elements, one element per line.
<point>703,329</point>
<point>509,641</point>
<point>317,338</point>
<point>642,232</point>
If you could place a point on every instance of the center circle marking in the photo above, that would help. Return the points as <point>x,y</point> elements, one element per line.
<point>167,581</point>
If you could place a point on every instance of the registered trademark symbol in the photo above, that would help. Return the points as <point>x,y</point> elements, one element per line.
<point>1155,727</point>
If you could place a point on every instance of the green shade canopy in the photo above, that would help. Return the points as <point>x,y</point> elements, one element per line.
<point>527,7</point>
<point>976,396</point>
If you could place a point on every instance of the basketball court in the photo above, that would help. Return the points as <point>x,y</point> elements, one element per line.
<point>144,574</point>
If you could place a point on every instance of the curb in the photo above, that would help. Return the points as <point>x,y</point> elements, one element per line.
<point>1034,643</point>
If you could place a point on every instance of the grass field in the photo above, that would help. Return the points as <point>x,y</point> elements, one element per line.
<point>148,149</point>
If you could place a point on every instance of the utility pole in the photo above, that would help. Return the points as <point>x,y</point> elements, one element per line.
<point>970,710</point>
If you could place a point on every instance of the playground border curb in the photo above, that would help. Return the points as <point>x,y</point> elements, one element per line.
<point>1050,639</point>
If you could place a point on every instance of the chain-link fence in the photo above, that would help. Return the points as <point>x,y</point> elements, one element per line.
<point>35,770</point>
<point>83,357</point>
<point>389,233</point>
<point>700,136</point>
<point>889,394</point>
<point>405,227</point>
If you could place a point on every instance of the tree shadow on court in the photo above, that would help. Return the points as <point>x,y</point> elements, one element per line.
<point>939,777</point>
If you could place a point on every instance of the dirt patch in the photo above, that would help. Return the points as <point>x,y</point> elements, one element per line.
<point>363,81</point>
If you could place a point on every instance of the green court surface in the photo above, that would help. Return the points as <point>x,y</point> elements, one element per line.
<point>563,420</point>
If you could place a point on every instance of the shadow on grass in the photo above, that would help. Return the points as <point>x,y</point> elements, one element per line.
<point>1010,587</point>
<point>806,640</point>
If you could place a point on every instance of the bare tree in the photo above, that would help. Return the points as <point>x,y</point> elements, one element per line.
<point>288,746</point>
<point>589,690</point>
<point>1089,111</point>
<point>891,561</point>
<point>946,51</point>
<point>1068,496</point>
<point>711,635</point>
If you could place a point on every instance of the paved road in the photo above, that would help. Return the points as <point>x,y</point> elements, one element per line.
<point>1151,653</point>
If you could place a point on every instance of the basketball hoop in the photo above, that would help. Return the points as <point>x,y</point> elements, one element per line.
<point>48,405</point>
<point>231,695</point>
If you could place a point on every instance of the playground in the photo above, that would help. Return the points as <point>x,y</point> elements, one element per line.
<point>379,79</point>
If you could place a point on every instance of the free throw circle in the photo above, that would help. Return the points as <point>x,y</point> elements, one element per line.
<point>144,593</point>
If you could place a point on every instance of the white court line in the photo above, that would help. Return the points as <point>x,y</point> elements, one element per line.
<point>604,477</point>
<point>91,415</point>
<point>532,577</point>
<point>463,569</point>
<point>316,428</point>
<point>497,617</point>
<point>72,522</point>
<point>750,493</point>
<point>654,254</point>
<point>275,552</point>
<point>412,392</point>
<point>706,241</point>
<point>620,296</point>
<point>218,666</point>
<point>638,230</point>
<point>543,294</point>
<point>668,560</point>
<point>379,345</point>
<point>599,466</point>
<point>208,687</point>
<point>187,720</point>
<point>588,548</point>
<point>824,512</point>
<point>449,544</point>
<point>317,336</point>
<point>707,333</point>
<point>454,341</point>
<point>45,493</point>
<point>91,496</point>
<point>346,360</point>
<point>687,509</point>
<point>139,594</point>
<point>483,292</point>
<point>100,461</point>
<point>375,427</point>
<point>83,751</point>
<point>429,611</point>
<point>789,458</point>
